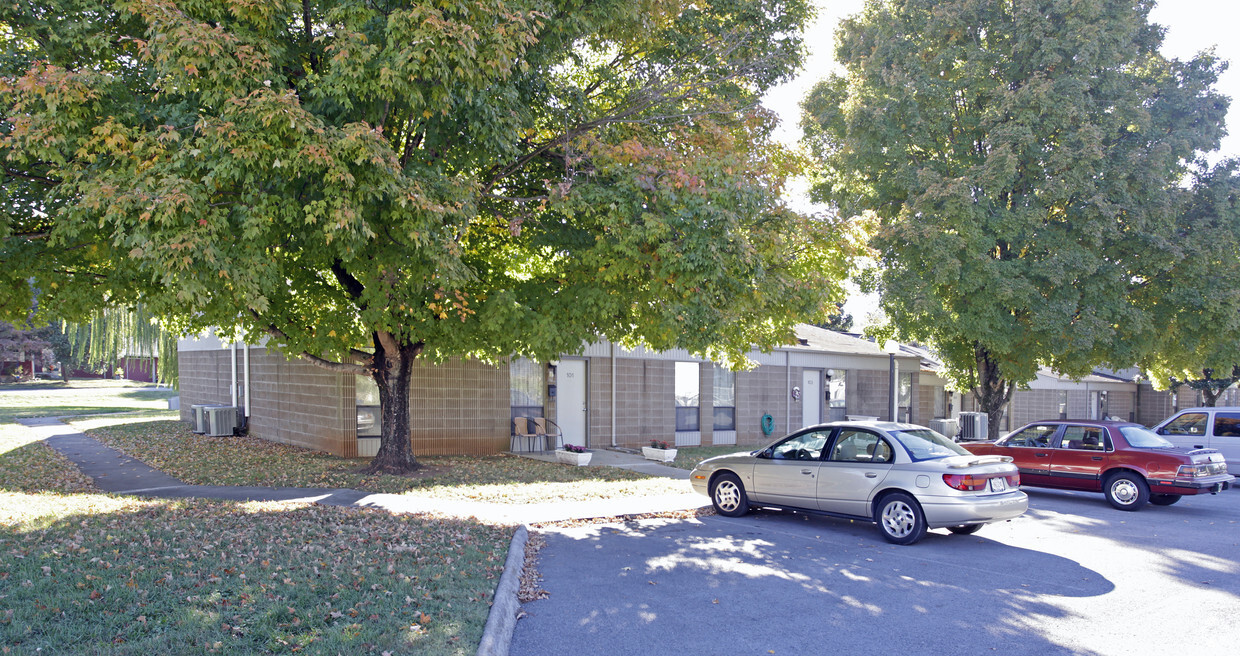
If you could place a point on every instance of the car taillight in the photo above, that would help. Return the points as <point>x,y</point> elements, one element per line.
<point>1201,469</point>
<point>1013,480</point>
<point>967,482</point>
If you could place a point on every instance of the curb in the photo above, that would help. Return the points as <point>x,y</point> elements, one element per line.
<point>502,620</point>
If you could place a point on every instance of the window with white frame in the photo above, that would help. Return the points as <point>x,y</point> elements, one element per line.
<point>688,394</point>
<point>725,399</point>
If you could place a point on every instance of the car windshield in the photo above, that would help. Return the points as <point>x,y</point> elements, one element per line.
<point>1143,438</point>
<point>925,444</point>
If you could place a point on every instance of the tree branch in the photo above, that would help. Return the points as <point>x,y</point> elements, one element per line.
<point>360,369</point>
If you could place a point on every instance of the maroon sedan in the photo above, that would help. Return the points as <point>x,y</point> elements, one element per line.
<point>1125,461</point>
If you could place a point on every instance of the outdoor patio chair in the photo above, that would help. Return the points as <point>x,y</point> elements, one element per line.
<point>523,429</point>
<point>550,432</point>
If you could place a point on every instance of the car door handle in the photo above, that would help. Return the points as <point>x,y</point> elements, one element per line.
<point>1098,458</point>
<point>807,471</point>
<point>871,475</point>
<point>1042,455</point>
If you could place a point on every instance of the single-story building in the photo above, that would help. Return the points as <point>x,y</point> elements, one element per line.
<point>602,396</point>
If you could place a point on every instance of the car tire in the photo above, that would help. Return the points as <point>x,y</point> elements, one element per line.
<point>1126,491</point>
<point>1164,499</point>
<point>727,494</point>
<point>967,529</point>
<point>900,519</point>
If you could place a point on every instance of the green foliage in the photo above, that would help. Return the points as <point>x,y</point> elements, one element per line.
<point>111,334</point>
<point>1019,164</point>
<point>464,178</point>
<point>1196,301</point>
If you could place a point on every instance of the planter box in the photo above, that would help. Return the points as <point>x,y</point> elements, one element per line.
<point>659,455</point>
<point>570,458</point>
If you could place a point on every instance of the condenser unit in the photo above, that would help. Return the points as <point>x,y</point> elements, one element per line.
<point>222,420</point>
<point>945,427</point>
<point>973,426</point>
<point>198,416</point>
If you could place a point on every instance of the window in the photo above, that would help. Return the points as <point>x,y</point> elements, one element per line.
<point>725,399</point>
<point>1189,423</point>
<point>688,392</point>
<point>1063,404</point>
<point>906,397</point>
<point>1227,424</point>
<point>525,382</point>
<point>1089,438</point>
<point>802,447</point>
<point>369,421</point>
<point>835,389</point>
<point>860,446</point>
<point>1037,436</point>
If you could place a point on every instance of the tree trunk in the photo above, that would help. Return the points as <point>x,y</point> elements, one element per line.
<point>992,392</point>
<point>393,369</point>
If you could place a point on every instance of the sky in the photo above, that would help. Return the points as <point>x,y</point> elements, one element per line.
<point>1192,26</point>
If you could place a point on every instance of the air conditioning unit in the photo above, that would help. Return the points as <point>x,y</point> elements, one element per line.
<point>198,416</point>
<point>973,426</point>
<point>945,427</point>
<point>223,420</point>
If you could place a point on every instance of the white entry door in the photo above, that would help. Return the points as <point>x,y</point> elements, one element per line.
<point>811,397</point>
<point>571,400</point>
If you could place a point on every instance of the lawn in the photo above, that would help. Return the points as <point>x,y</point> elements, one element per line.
<point>89,573</point>
<point>172,448</point>
<point>85,573</point>
<point>79,397</point>
<point>687,457</point>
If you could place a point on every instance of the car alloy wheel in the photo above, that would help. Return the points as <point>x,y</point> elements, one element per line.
<point>1127,491</point>
<point>900,519</point>
<point>729,497</point>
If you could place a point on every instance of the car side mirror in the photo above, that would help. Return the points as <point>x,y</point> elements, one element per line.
<point>767,453</point>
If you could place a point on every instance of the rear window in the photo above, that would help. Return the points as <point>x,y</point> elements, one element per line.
<point>1227,424</point>
<point>1143,438</point>
<point>925,444</point>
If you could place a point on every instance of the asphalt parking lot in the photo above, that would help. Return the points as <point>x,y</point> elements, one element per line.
<point>1071,576</point>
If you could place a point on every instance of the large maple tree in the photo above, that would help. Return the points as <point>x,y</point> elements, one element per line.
<point>1021,164</point>
<point>364,183</point>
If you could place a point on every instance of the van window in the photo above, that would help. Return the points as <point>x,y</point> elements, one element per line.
<point>1189,423</point>
<point>1227,424</point>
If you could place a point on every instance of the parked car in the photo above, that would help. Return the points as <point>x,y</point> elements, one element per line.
<point>905,478</point>
<point>1213,428</point>
<point>1127,462</point>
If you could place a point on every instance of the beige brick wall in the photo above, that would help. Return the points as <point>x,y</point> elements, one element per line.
<point>459,407</point>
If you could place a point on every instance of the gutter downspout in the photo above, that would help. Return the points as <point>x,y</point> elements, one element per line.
<point>613,393</point>
<point>788,391</point>
<point>246,360</point>
<point>233,387</point>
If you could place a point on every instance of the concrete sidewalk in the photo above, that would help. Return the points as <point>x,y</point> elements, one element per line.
<point>117,473</point>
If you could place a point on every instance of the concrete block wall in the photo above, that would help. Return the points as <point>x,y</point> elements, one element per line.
<point>1034,405</point>
<point>764,391</point>
<point>645,393</point>
<point>1155,406</point>
<point>459,407</point>
<point>1122,405</point>
<point>867,393</point>
<point>294,402</point>
<point>205,377</point>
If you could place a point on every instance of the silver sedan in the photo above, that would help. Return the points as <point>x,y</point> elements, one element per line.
<point>904,477</point>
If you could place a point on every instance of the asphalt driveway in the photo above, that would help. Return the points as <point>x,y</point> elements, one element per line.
<point>1072,576</point>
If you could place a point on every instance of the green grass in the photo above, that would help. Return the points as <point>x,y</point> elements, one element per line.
<point>79,397</point>
<point>85,573</point>
<point>687,457</point>
<point>172,448</point>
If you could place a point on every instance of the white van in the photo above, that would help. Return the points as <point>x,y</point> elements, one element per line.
<point>1215,428</point>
